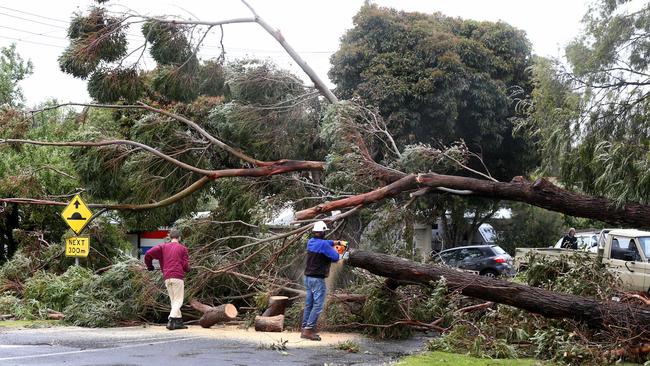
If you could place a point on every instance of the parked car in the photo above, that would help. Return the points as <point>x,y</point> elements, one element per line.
<point>486,260</point>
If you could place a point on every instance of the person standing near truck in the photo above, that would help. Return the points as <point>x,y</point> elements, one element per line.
<point>570,241</point>
<point>174,263</point>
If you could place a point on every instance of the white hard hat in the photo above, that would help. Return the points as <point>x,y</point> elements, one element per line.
<point>319,226</point>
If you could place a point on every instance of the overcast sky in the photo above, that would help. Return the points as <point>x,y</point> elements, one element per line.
<point>312,27</point>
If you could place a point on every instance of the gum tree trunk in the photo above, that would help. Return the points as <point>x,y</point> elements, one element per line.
<point>547,303</point>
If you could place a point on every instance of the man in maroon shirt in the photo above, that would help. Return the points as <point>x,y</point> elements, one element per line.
<point>174,263</point>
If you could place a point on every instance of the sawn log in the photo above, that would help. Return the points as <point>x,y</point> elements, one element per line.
<point>547,303</point>
<point>277,306</point>
<point>213,315</point>
<point>269,323</point>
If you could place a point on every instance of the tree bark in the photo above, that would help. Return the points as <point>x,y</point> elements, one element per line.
<point>213,315</point>
<point>404,184</point>
<point>277,305</point>
<point>269,323</point>
<point>547,303</point>
<point>543,193</point>
<point>540,193</point>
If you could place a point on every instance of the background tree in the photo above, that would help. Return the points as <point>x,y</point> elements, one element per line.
<point>13,69</point>
<point>590,119</point>
<point>529,227</point>
<point>437,80</point>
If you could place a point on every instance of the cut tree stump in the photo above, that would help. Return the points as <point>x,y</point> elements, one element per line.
<point>269,323</point>
<point>547,303</point>
<point>214,314</point>
<point>277,305</point>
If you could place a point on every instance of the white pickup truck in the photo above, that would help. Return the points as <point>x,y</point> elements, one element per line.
<point>624,252</point>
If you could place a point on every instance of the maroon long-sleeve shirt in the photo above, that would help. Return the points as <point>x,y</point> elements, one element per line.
<point>173,258</point>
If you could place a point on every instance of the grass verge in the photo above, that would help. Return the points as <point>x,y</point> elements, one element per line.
<point>29,323</point>
<point>443,358</point>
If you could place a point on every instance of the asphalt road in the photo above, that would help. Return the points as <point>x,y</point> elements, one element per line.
<point>154,346</point>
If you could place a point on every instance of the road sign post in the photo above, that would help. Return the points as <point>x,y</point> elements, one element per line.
<point>77,246</point>
<point>77,215</point>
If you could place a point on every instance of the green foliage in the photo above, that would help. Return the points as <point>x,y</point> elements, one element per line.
<point>125,292</point>
<point>181,84</point>
<point>508,332</point>
<point>8,304</point>
<point>111,85</point>
<point>349,346</point>
<point>94,37</point>
<point>451,359</point>
<point>436,78</point>
<point>337,315</point>
<point>211,79</point>
<point>16,271</point>
<point>529,227</point>
<point>389,231</point>
<point>382,308</point>
<point>293,315</point>
<point>270,113</point>
<point>439,84</point>
<point>591,121</point>
<point>578,274</point>
<point>169,43</point>
<point>56,291</point>
<point>13,69</point>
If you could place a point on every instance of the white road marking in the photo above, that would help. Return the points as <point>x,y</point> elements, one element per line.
<point>93,350</point>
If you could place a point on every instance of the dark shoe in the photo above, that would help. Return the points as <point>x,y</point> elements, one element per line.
<point>179,324</point>
<point>308,333</point>
<point>170,324</point>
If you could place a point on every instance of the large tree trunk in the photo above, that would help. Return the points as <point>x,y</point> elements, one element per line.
<point>543,193</point>
<point>540,193</point>
<point>547,303</point>
<point>213,315</point>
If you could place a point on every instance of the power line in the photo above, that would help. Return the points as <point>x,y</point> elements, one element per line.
<point>33,14</point>
<point>34,33</point>
<point>32,20</point>
<point>229,49</point>
<point>34,42</point>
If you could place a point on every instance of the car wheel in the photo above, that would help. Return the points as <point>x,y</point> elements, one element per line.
<point>489,273</point>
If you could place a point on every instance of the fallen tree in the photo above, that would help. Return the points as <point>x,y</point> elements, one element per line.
<point>547,303</point>
<point>541,193</point>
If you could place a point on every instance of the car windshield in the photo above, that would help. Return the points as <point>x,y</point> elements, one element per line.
<point>644,242</point>
<point>498,251</point>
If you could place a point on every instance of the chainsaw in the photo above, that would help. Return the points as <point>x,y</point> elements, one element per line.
<point>341,246</point>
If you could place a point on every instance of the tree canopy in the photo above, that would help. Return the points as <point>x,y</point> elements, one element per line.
<point>13,69</point>
<point>590,119</point>
<point>437,79</point>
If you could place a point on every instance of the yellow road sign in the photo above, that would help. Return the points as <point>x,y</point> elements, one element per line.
<point>77,246</point>
<point>76,214</point>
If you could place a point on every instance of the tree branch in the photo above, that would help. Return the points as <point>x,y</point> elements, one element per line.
<point>111,142</point>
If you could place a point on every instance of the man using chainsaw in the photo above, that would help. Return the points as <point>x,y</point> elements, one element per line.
<point>320,254</point>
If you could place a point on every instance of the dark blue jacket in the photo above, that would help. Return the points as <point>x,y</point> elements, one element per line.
<point>320,254</point>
